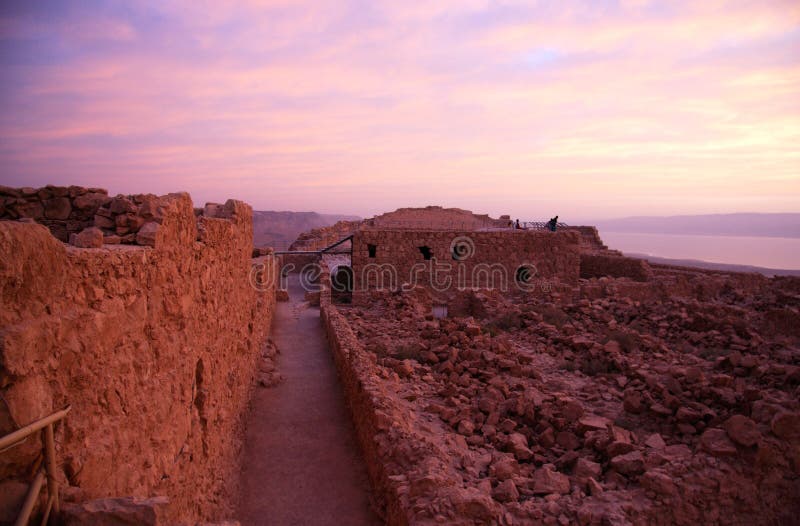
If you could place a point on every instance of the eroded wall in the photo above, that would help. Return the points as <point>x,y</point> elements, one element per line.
<point>484,259</point>
<point>154,348</point>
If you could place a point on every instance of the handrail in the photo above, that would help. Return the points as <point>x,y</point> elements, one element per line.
<point>20,434</point>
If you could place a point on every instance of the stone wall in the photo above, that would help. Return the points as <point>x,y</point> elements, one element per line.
<point>371,412</point>
<point>481,259</point>
<point>154,348</point>
<point>64,210</point>
<point>69,210</point>
<point>599,265</point>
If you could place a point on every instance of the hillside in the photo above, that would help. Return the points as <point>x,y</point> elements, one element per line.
<point>280,229</point>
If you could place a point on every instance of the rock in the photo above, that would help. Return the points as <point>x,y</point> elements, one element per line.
<point>147,234</point>
<point>632,401</point>
<point>101,221</point>
<point>58,208</point>
<point>12,495</point>
<point>716,442</point>
<point>518,445</point>
<point>572,410</point>
<point>546,481</point>
<point>686,414</point>
<point>592,423</point>
<point>472,329</point>
<point>593,487</point>
<point>121,205</point>
<point>90,201</point>
<point>655,441</point>
<point>281,295</point>
<point>628,464</point>
<point>466,427</point>
<point>91,237</point>
<point>31,209</point>
<point>587,468</point>
<point>112,240</point>
<point>117,512</point>
<point>505,468</point>
<point>568,440</point>
<point>659,482</point>
<point>547,438</point>
<point>786,425</point>
<point>405,369</point>
<point>506,491</point>
<point>742,430</point>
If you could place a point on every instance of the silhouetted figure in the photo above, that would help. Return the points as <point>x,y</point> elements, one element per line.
<point>551,225</point>
<point>516,225</point>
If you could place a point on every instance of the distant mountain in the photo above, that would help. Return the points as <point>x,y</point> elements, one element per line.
<point>759,225</point>
<point>280,229</point>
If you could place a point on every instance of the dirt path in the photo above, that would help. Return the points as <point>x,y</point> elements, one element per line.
<point>302,464</point>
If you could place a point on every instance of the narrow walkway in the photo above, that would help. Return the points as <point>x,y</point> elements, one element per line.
<point>301,462</point>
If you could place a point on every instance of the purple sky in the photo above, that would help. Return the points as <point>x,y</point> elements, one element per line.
<point>588,110</point>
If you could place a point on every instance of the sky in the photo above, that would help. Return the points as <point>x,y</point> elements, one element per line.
<point>590,109</point>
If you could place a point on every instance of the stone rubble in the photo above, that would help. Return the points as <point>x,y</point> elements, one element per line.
<point>624,405</point>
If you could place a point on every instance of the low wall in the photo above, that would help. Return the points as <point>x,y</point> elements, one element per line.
<point>599,265</point>
<point>370,412</point>
<point>154,348</point>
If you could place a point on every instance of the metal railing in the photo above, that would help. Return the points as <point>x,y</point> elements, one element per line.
<point>539,225</point>
<point>14,438</point>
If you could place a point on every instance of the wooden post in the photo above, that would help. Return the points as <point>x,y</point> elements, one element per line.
<point>30,500</point>
<point>46,516</point>
<point>50,456</point>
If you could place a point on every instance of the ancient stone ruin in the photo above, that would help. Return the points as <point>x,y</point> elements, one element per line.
<point>621,393</point>
<point>493,375</point>
<point>153,345</point>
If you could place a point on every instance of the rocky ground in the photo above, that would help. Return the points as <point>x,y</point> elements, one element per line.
<point>675,408</point>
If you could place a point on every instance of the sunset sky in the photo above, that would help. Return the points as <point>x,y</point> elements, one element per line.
<point>590,110</point>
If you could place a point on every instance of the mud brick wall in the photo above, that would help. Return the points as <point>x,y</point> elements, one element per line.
<point>154,348</point>
<point>487,259</point>
<point>599,265</point>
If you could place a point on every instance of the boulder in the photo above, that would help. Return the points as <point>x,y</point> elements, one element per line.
<point>786,425</point>
<point>91,237</point>
<point>742,430</point>
<point>121,205</point>
<point>716,442</point>
<point>546,481</point>
<point>655,441</point>
<point>147,234</point>
<point>587,468</point>
<point>630,464</point>
<point>102,221</point>
<point>117,512</point>
<point>58,208</point>
<point>659,482</point>
<point>31,209</point>
<point>505,468</point>
<point>90,201</point>
<point>506,491</point>
<point>518,445</point>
